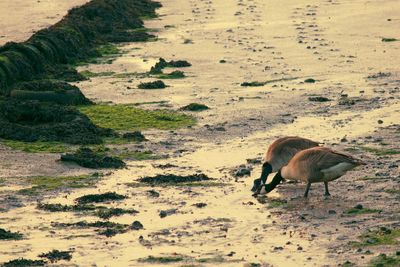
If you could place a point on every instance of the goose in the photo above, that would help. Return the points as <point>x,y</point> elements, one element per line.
<point>278,155</point>
<point>313,165</point>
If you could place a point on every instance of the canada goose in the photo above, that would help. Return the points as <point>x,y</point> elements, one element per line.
<point>278,155</point>
<point>313,165</point>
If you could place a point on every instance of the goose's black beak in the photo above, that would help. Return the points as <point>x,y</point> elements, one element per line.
<point>256,185</point>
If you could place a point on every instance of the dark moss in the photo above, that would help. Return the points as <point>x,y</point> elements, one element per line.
<point>136,225</point>
<point>253,84</point>
<point>99,211</point>
<point>97,198</point>
<point>319,99</point>
<point>23,262</point>
<point>384,260</point>
<point>165,259</point>
<point>31,121</point>
<point>75,37</point>
<point>195,107</point>
<point>152,85</point>
<point>50,91</point>
<point>310,80</point>
<point>177,74</point>
<point>135,136</point>
<point>162,63</point>
<point>88,158</point>
<point>174,179</point>
<point>103,228</point>
<point>56,255</point>
<point>8,235</point>
<point>389,39</point>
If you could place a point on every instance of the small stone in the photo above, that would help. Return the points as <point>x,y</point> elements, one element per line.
<point>136,225</point>
<point>299,248</point>
<point>380,121</point>
<point>332,212</point>
<point>358,206</point>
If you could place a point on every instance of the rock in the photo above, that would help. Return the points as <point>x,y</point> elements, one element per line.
<point>136,225</point>
<point>153,193</point>
<point>136,136</point>
<point>200,205</point>
<point>243,172</point>
<point>165,213</point>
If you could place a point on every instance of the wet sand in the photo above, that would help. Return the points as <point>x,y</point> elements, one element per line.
<point>19,19</point>
<point>337,43</point>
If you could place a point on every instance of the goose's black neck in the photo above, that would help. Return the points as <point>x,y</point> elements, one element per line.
<point>266,170</point>
<point>275,181</point>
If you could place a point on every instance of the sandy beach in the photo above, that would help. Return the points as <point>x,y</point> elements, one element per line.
<point>338,44</point>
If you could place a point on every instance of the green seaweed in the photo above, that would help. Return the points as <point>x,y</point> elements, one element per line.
<point>8,235</point>
<point>23,262</point>
<point>382,236</point>
<point>195,107</point>
<point>57,255</point>
<point>50,183</point>
<point>384,260</point>
<point>152,85</point>
<point>97,198</point>
<point>131,118</point>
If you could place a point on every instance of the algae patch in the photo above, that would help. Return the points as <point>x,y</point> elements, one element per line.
<point>49,183</point>
<point>8,235</point>
<point>97,198</point>
<point>131,118</point>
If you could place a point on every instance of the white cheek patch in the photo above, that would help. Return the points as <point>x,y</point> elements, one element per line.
<point>337,170</point>
<point>262,191</point>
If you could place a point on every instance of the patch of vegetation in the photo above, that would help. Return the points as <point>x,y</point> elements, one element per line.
<point>382,236</point>
<point>256,83</point>
<point>359,209</point>
<point>103,228</point>
<point>163,259</point>
<point>174,179</point>
<point>216,259</point>
<point>130,118</point>
<point>99,211</point>
<point>135,136</point>
<point>38,146</point>
<point>138,155</point>
<point>152,85</point>
<point>393,191</point>
<point>89,74</point>
<point>389,39</point>
<point>319,99</point>
<point>23,262</point>
<point>49,183</point>
<point>347,264</point>
<point>53,91</point>
<point>384,260</point>
<point>277,203</point>
<point>56,255</point>
<point>8,235</point>
<point>194,107</point>
<point>253,84</point>
<point>89,158</point>
<point>97,198</point>
<point>177,74</point>
<point>380,151</point>
<point>31,121</point>
<point>310,80</point>
<point>162,64</point>
<point>346,101</point>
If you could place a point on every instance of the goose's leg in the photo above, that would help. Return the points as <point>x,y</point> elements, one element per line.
<point>326,189</point>
<point>307,189</point>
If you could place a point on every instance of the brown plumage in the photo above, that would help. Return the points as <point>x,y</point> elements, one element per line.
<point>317,164</point>
<point>278,155</point>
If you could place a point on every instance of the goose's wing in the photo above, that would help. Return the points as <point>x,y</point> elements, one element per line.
<point>329,158</point>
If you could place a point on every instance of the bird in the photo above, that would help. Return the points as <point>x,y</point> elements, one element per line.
<point>278,155</point>
<point>313,165</point>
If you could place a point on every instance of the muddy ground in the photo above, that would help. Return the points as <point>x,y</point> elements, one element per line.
<point>336,43</point>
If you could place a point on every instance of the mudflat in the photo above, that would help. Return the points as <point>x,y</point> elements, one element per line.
<point>324,70</point>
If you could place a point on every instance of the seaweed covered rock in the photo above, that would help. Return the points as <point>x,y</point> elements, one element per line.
<point>88,158</point>
<point>50,91</point>
<point>40,121</point>
<point>135,136</point>
<point>73,39</point>
<point>162,63</point>
<point>152,85</point>
<point>195,107</point>
<point>173,179</point>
